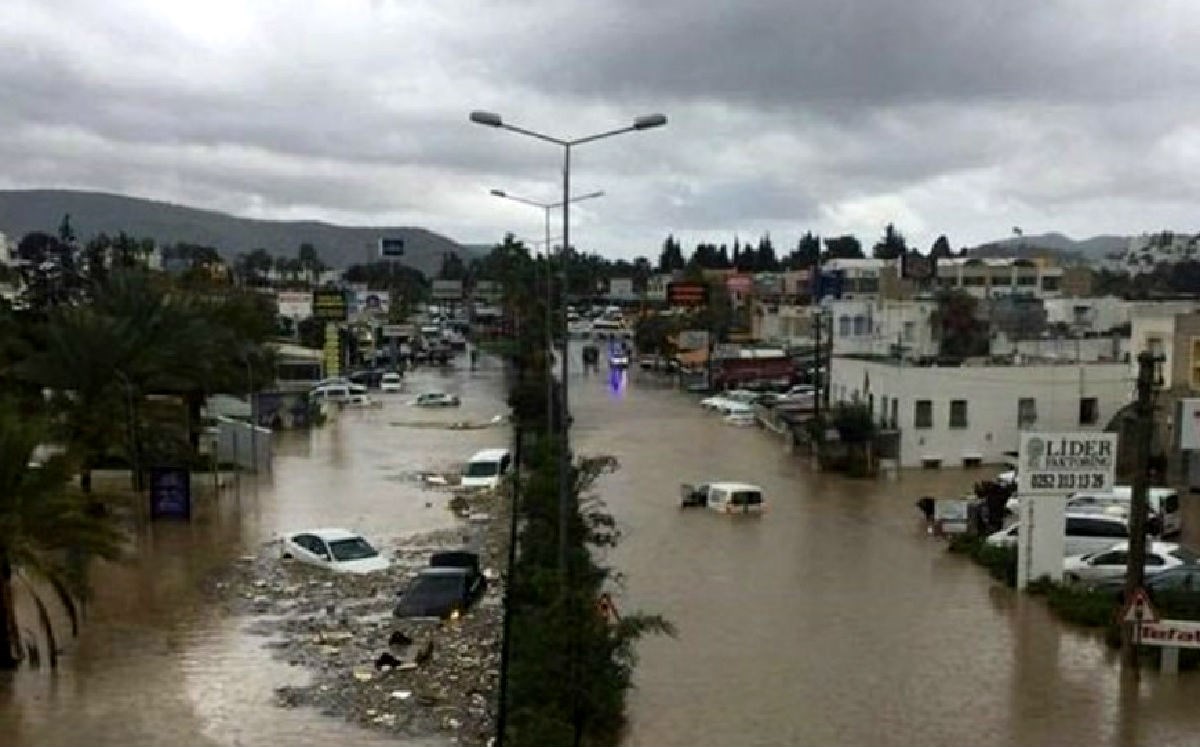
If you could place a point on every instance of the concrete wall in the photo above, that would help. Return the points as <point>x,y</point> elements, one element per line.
<point>991,393</point>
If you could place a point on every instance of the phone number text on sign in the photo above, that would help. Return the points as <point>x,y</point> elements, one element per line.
<point>1052,481</point>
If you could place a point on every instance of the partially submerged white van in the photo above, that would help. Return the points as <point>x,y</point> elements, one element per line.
<point>486,469</point>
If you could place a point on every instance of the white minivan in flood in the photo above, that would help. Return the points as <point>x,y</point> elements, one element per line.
<point>486,468</point>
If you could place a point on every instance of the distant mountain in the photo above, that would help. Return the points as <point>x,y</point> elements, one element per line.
<point>1086,250</point>
<point>23,211</point>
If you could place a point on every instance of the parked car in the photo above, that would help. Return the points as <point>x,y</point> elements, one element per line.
<point>715,402</point>
<point>440,591</point>
<point>1111,563</point>
<point>334,549</point>
<point>1084,533</point>
<point>1181,580</point>
<point>391,382</point>
<point>741,418</point>
<point>723,497</point>
<point>436,399</point>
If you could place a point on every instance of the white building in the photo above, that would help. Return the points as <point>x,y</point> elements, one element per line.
<point>1152,327</point>
<point>621,290</point>
<point>782,324</point>
<point>874,327</point>
<point>861,278</point>
<point>952,416</point>
<point>1147,251</point>
<point>1088,315</point>
<point>656,287</point>
<point>8,250</point>
<point>986,278</point>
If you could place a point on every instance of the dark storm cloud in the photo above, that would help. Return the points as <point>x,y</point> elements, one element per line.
<point>963,116</point>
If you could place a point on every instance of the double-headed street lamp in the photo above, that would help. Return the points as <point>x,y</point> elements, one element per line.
<point>491,119</point>
<point>546,207</point>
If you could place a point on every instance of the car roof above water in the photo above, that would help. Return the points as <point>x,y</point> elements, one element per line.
<point>489,455</point>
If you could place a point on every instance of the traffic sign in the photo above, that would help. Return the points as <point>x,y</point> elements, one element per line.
<point>1138,609</point>
<point>1062,463</point>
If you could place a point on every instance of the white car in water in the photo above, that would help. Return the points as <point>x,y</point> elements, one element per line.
<point>337,550</point>
<point>1109,564</point>
<point>436,399</point>
<point>391,382</point>
<point>741,418</point>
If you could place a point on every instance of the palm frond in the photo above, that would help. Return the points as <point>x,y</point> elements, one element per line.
<point>44,619</point>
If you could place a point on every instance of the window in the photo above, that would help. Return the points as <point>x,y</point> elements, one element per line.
<point>1116,557</point>
<point>883,411</point>
<point>1026,412</point>
<point>1001,280</point>
<point>958,413</point>
<point>843,326</point>
<point>974,280</point>
<point>1154,345</point>
<point>1195,363</point>
<point>1026,281</point>
<point>1089,411</point>
<point>923,414</point>
<point>910,329</point>
<point>860,326</point>
<point>1095,527</point>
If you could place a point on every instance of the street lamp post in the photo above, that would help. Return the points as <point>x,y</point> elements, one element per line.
<point>491,119</point>
<point>547,207</point>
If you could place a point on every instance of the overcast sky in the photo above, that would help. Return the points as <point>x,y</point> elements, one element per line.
<point>964,117</point>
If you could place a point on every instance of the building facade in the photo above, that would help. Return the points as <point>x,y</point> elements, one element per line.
<point>987,278</point>
<point>959,415</point>
<point>883,328</point>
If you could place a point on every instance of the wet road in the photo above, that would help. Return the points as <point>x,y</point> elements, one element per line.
<point>154,666</point>
<point>834,619</point>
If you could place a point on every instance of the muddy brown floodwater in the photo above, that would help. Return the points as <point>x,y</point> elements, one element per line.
<point>155,664</point>
<point>834,619</point>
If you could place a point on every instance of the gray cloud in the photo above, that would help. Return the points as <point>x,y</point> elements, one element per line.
<point>961,117</point>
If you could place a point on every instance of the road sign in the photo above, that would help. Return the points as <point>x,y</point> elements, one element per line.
<point>1139,610</point>
<point>391,247</point>
<point>1061,463</point>
<point>1171,633</point>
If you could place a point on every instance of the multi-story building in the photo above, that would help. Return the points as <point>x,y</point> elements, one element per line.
<point>987,278</point>
<point>966,415</point>
<point>1087,316</point>
<point>883,328</point>
<point>1149,250</point>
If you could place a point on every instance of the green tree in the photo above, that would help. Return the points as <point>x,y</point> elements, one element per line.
<point>843,247</point>
<point>43,523</point>
<point>891,246</point>
<point>957,327</point>
<point>941,248</point>
<point>453,268</point>
<point>671,258</point>
<point>765,259</point>
<point>807,253</point>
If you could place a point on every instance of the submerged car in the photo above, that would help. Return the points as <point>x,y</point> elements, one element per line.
<point>437,399</point>
<point>333,549</point>
<point>391,382</point>
<point>1110,564</point>
<point>440,591</point>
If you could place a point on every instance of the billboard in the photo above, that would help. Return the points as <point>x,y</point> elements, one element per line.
<point>295,304</point>
<point>330,305</point>
<point>447,290</point>
<point>376,303</point>
<point>488,291</point>
<point>170,493</point>
<point>391,248</point>
<point>683,293</point>
<point>1061,463</point>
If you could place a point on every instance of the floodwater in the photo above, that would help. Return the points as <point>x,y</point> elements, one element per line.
<point>154,666</point>
<point>834,619</point>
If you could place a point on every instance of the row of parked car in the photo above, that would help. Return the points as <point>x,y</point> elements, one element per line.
<point>737,406</point>
<point>1096,538</point>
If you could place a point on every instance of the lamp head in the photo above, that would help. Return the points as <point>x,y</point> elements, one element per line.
<point>491,119</point>
<point>641,123</point>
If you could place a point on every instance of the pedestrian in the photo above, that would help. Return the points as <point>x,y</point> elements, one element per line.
<point>926,504</point>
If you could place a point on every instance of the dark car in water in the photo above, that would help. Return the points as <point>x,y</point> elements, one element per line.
<point>450,585</point>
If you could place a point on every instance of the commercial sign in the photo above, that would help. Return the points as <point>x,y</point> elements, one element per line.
<point>399,330</point>
<point>294,304</point>
<point>447,290</point>
<point>488,291</point>
<point>950,514</point>
<point>682,293</point>
<point>375,303</point>
<point>741,284</point>
<point>391,248</point>
<point>170,493</point>
<point>330,305</point>
<point>1059,463</point>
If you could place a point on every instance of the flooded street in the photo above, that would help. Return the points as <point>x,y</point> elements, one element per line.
<point>155,665</point>
<point>833,619</point>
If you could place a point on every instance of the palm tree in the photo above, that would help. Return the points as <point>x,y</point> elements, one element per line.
<point>43,525</point>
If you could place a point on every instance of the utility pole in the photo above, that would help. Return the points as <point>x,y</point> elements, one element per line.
<point>816,362</point>
<point>1135,568</point>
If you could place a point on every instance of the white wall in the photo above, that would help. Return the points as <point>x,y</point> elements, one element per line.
<point>1155,321</point>
<point>1088,314</point>
<point>991,393</point>
<point>1088,349</point>
<point>868,327</point>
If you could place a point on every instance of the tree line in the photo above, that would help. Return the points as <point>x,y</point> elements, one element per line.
<point>110,363</point>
